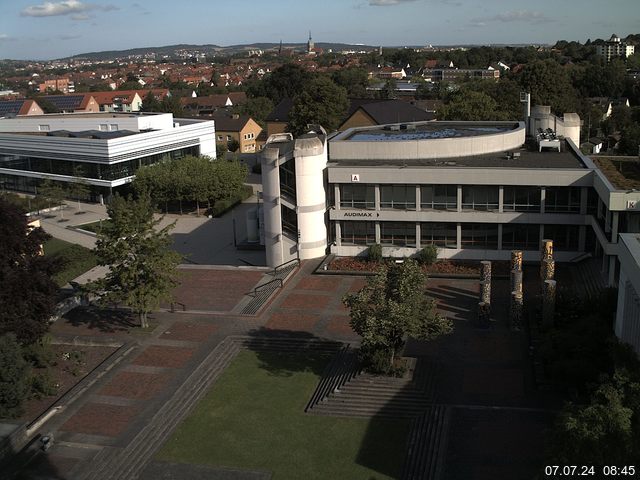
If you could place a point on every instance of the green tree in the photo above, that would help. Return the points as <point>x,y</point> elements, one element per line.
<point>233,145</point>
<point>391,307</point>
<point>142,268</point>
<point>257,108</point>
<point>321,102</point>
<point>53,192</point>
<point>285,81</point>
<point>27,291</point>
<point>630,140</point>
<point>354,80</point>
<point>470,105</point>
<point>14,377</point>
<point>549,84</point>
<point>79,188</point>
<point>150,103</point>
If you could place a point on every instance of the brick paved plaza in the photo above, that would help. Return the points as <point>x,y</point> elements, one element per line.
<point>483,374</point>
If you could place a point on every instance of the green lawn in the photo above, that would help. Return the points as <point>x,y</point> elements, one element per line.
<point>76,259</point>
<point>253,419</point>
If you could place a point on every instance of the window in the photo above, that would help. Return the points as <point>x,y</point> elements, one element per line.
<point>113,127</point>
<point>44,128</point>
<point>480,235</point>
<point>479,198</point>
<point>103,127</point>
<point>289,222</point>
<point>565,237</point>
<point>229,138</point>
<point>520,236</point>
<point>521,199</point>
<point>358,233</point>
<point>562,200</point>
<point>288,178</point>
<point>358,196</point>
<point>439,197</point>
<point>220,138</point>
<point>441,234</point>
<point>400,234</point>
<point>402,197</point>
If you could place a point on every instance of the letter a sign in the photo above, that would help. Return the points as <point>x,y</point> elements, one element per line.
<point>355,177</point>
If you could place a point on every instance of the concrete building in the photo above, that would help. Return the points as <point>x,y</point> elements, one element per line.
<point>614,48</point>
<point>477,190</point>
<point>241,128</point>
<point>103,149</point>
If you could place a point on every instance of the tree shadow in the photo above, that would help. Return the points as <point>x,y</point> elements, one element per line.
<point>32,462</point>
<point>101,320</point>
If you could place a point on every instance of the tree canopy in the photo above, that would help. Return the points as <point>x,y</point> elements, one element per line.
<point>142,268</point>
<point>392,306</point>
<point>27,291</point>
<point>321,102</point>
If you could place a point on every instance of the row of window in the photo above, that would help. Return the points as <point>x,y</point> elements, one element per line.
<point>474,197</point>
<point>473,235</point>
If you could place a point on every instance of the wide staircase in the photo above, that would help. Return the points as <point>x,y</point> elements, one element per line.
<point>366,395</point>
<point>427,444</point>
<point>588,278</point>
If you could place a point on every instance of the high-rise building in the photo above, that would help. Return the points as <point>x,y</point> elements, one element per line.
<point>614,48</point>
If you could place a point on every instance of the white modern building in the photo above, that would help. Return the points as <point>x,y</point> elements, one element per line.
<point>104,149</point>
<point>627,326</point>
<point>477,190</point>
<point>615,48</point>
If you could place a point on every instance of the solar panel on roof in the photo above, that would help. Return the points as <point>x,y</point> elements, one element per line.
<point>10,107</point>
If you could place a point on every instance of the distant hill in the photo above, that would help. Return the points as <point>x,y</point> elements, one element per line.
<point>209,49</point>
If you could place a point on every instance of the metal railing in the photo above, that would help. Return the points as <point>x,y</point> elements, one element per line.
<point>260,287</point>
<point>281,266</point>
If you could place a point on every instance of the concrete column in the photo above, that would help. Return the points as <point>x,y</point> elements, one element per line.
<point>607,221</point>
<point>620,311</point>
<point>336,195</point>
<point>377,198</point>
<point>418,233</point>
<point>614,227</point>
<point>499,236</point>
<point>500,201</point>
<point>459,201</point>
<point>271,206</point>
<point>582,238</point>
<point>612,271</point>
<point>516,260</point>
<point>418,198</point>
<point>548,302</point>
<point>377,232</point>
<point>600,205</point>
<point>485,283</point>
<point>541,235</point>
<point>338,233</point>
<point>543,196</point>
<point>584,196</point>
<point>458,236</point>
<point>515,310</point>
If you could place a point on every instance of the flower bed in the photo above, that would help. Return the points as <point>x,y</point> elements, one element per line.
<point>441,267</point>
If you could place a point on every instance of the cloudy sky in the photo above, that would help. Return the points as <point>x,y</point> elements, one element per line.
<point>54,29</point>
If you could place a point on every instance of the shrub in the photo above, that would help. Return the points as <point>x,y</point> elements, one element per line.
<point>14,377</point>
<point>428,255</point>
<point>42,384</point>
<point>375,252</point>
<point>223,206</point>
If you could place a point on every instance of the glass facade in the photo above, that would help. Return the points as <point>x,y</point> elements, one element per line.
<point>480,235</point>
<point>402,197</point>
<point>562,200</point>
<point>521,199</point>
<point>439,197</point>
<point>288,178</point>
<point>400,234</point>
<point>358,233</point>
<point>483,198</point>
<point>520,236</point>
<point>358,196</point>
<point>565,237</point>
<point>96,171</point>
<point>289,222</point>
<point>441,234</point>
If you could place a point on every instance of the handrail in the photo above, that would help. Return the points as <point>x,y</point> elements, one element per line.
<point>275,270</point>
<point>184,307</point>
<point>259,287</point>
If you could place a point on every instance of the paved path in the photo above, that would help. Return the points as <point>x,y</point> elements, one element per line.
<point>113,430</point>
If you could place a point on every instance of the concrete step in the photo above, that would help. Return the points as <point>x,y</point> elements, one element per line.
<point>426,445</point>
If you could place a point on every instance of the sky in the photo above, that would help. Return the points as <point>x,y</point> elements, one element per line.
<point>42,30</point>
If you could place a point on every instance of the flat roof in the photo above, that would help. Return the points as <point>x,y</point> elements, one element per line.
<point>529,157</point>
<point>426,131</point>
<point>622,172</point>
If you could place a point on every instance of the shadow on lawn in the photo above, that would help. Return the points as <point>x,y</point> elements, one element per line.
<point>102,320</point>
<point>382,447</point>
<point>32,462</point>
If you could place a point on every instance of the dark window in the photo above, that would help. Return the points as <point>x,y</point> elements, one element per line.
<point>402,197</point>
<point>441,234</point>
<point>520,236</point>
<point>565,237</point>
<point>288,179</point>
<point>592,202</point>
<point>358,233</point>
<point>401,234</point>
<point>562,200</point>
<point>358,196</point>
<point>521,199</point>
<point>439,197</point>
<point>480,235</point>
<point>479,198</point>
<point>289,222</point>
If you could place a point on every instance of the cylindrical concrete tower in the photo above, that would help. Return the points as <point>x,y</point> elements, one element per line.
<point>311,159</point>
<point>271,205</point>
